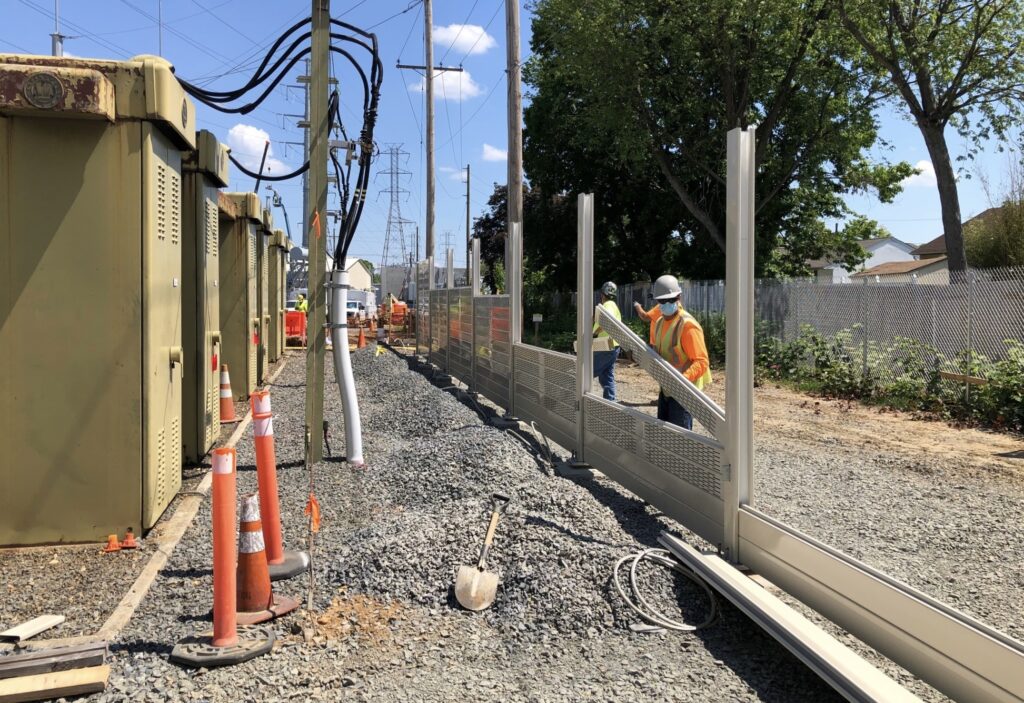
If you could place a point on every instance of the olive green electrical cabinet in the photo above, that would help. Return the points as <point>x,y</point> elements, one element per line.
<point>205,171</point>
<point>277,272</point>
<point>266,232</point>
<point>240,219</point>
<point>90,295</point>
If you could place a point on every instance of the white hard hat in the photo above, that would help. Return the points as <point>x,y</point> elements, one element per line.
<point>609,288</point>
<point>666,288</point>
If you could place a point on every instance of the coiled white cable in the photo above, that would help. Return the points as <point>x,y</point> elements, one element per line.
<point>644,609</point>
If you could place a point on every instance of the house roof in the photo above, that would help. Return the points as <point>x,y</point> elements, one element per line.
<point>938,245</point>
<point>896,267</point>
<point>350,262</point>
<point>868,245</point>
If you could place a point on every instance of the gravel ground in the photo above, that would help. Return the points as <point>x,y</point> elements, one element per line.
<point>393,536</point>
<point>63,579</point>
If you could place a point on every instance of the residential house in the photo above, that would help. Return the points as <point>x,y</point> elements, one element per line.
<point>933,271</point>
<point>359,276</point>
<point>937,247</point>
<point>879,251</point>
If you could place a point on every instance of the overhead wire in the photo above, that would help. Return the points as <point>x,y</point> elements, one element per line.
<point>459,33</point>
<point>119,51</point>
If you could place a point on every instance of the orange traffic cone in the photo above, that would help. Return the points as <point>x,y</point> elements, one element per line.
<point>362,339</point>
<point>129,540</point>
<point>256,601</point>
<point>112,544</point>
<point>227,402</point>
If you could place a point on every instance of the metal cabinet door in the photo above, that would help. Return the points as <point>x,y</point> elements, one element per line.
<point>161,339</point>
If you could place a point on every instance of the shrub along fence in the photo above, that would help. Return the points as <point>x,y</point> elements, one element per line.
<point>954,349</point>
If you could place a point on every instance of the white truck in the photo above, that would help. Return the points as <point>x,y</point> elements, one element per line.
<point>362,304</point>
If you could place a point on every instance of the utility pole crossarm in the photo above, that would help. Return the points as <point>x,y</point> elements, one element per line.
<point>457,69</point>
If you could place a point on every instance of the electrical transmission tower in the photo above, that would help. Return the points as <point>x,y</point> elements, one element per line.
<point>394,261</point>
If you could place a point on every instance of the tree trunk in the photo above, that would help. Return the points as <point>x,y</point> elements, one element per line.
<point>949,198</point>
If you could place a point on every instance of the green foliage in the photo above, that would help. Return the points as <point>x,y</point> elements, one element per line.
<point>996,237</point>
<point>632,99</point>
<point>904,375</point>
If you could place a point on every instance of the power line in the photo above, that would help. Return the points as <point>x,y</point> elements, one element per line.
<point>397,14</point>
<point>459,33</point>
<point>82,31</point>
<point>415,21</point>
<point>184,37</point>
<point>501,4</point>
<point>476,112</point>
<point>236,30</point>
<point>19,48</point>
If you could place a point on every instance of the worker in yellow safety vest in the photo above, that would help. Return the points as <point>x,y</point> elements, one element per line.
<point>679,339</point>
<point>301,304</point>
<point>606,356</point>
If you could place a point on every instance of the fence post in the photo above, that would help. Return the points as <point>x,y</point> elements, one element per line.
<point>970,335</point>
<point>738,483</point>
<point>584,310</point>
<point>864,330</point>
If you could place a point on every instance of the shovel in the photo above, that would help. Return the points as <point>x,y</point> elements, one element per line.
<point>474,587</point>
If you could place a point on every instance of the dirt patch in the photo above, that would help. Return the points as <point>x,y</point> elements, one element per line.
<point>366,618</point>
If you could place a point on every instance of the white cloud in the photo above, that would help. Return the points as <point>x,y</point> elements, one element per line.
<point>455,174</point>
<point>924,179</point>
<point>493,153</point>
<point>464,38</point>
<point>450,85</point>
<point>246,143</point>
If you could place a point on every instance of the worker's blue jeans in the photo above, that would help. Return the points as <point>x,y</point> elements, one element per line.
<point>670,410</point>
<point>604,370</point>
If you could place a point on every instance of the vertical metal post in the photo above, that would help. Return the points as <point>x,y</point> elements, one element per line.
<point>449,284</point>
<point>305,155</point>
<point>475,268</point>
<point>739,319</point>
<point>469,249</point>
<point>514,286</point>
<point>864,330</point>
<point>316,223</point>
<point>475,286</point>
<point>56,39</point>
<point>969,357</point>
<point>584,309</point>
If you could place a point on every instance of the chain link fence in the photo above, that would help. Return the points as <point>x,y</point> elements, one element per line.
<point>873,321</point>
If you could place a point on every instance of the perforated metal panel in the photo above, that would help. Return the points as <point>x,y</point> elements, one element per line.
<point>439,328</point>
<point>423,308</point>
<point>545,388</point>
<point>460,333</point>
<point>704,410</point>
<point>677,471</point>
<point>492,353</point>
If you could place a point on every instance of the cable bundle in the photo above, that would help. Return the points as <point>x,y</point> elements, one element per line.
<point>272,71</point>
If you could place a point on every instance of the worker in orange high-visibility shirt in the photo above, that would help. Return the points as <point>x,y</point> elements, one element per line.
<point>679,339</point>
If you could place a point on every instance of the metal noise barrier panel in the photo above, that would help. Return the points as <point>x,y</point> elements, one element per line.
<point>545,388</point>
<point>439,329</point>
<point>493,347</point>
<point>460,334</point>
<point>706,411</point>
<point>422,308</point>
<point>679,472</point>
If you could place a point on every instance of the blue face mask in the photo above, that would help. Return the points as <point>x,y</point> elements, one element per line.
<point>669,309</point>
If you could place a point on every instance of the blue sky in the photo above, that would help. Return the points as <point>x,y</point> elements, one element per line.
<point>204,38</point>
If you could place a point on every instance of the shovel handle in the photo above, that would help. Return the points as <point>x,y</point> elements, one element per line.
<point>498,505</point>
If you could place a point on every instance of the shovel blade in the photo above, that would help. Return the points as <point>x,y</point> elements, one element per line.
<point>475,589</point>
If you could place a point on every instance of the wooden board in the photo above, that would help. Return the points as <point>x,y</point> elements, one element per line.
<point>41,661</point>
<point>58,684</point>
<point>963,378</point>
<point>31,628</point>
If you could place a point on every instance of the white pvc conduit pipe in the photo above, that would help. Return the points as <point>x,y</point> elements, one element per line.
<point>343,368</point>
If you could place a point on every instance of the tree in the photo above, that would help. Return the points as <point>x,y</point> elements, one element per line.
<point>996,237</point>
<point>952,62</point>
<point>650,88</point>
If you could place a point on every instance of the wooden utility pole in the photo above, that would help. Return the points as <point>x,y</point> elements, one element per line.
<point>515,121</point>
<point>469,248</point>
<point>316,225</point>
<point>428,63</point>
